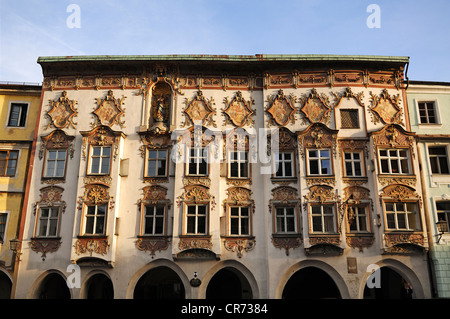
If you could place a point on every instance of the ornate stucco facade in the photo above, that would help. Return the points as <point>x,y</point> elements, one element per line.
<point>254,171</point>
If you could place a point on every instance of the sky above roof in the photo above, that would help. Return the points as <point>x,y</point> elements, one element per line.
<point>33,28</point>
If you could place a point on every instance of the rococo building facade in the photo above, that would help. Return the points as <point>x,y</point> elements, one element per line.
<point>224,177</point>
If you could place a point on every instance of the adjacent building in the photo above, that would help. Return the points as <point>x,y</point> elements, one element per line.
<point>429,110</point>
<point>19,109</point>
<point>266,176</point>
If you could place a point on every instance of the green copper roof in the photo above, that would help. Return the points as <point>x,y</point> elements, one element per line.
<point>227,58</point>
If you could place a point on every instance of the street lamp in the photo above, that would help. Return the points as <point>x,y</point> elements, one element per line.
<point>14,246</point>
<point>442,228</point>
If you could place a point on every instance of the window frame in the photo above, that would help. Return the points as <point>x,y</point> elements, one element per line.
<point>203,156</point>
<point>39,220</point>
<point>186,219</point>
<point>358,119</point>
<point>446,149</point>
<point>319,159</point>
<point>46,159</point>
<point>357,214</point>
<point>8,118</point>
<point>145,216</point>
<point>91,154</point>
<point>333,214</point>
<point>283,161</point>
<point>295,217</point>
<point>398,159</point>
<point>5,232</point>
<point>8,160</point>
<point>395,213</point>
<point>157,160</point>
<point>352,161</point>
<point>443,211</point>
<point>239,217</point>
<point>94,226</point>
<point>436,111</point>
<point>238,161</point>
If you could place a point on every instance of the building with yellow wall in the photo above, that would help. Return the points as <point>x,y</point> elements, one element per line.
<point>19,107</point>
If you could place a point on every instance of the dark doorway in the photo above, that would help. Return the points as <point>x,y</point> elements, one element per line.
<point>100,287</point>
<point>228,283</point>
<point>159,283</point>
<point>391,286</point>
<point>54,287</point>
<point>5,286</point>
<point>310,283</point>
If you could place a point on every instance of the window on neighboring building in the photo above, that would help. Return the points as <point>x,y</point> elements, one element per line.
<point>353,164</point>
<point>285,220</point>
<point>55,163</point>
<point>17,114</point>
<point>154,220</point>
<point>8,162</point>
<point>197,163</point>
<point>427,113</point>
<point>284,164</point>
<point>443,212</point>
<point>196,219</point>
<point>3,218</point>
<point>401,216</point>
<point>349,118</point>
<point>100,160</point>
<point>358,218</point>
<point>48,222</point>
<point>319,162</point>
<point>238,164</point>
<point>394,161</point>
<point>156,163</point>
<point>322,219</point>
<point>240,221</point>
<point>95,219</point>
<point>438,159</point>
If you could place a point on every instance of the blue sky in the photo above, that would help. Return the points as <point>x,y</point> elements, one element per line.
<point>33,28</point>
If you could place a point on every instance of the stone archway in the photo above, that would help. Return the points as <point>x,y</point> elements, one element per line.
<point>228,283</point>
<point>159,283</point>
<point>5,286</point>
<point>98,286</point>
<point>330,277</point>
<point>310,283</point>
<point>52,286</point>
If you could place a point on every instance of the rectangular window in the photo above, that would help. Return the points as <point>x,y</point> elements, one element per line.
<point>196,219</point>
<point>154,220</point>
<point>156,163</point>
<point>319,162</point>
<point>55,163</point>
<point>284,164</point>
<point>402,216</point>
<point>285,220</point>
<point>48,222</point>
<point>443,212</point>
<point>427,113</point>
<point>353,164</point>
<point>438,159</point>
<point>394,161</point>
<point>240,221</point>
<point>95,220</point>
<point>3,218</point>
<point>18,114</point>
<point>8,162</point>
<point>322,219</point>
<point>197,164</point>
<point>349,119</point>
<point>100,160</point>
<point>238,164</point>
<point>358,218</point>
